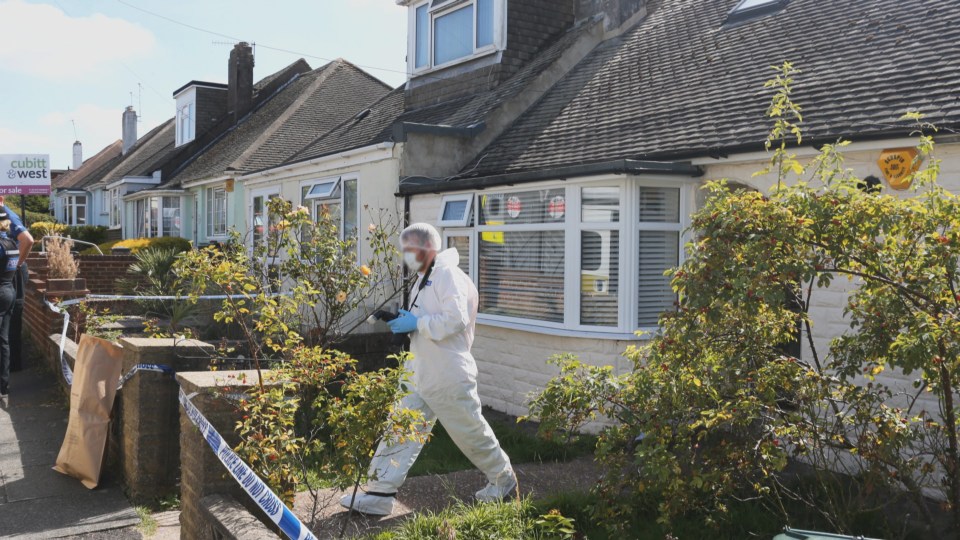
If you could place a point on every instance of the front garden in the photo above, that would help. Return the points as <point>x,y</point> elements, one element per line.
<point>720,429</point>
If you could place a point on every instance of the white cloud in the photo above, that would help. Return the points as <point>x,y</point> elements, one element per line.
<point>96,125</point>
<point>41,40</point>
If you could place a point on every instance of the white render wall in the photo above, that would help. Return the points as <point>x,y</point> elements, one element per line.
<point>513,362</point>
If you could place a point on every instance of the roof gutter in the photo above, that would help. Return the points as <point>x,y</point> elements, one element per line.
<point>419,185</point>
<point>402,129</point>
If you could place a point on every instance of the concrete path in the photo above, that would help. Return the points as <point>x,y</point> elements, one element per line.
<point>35,500</point>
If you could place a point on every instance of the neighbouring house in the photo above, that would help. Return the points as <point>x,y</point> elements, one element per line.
<point>70,197</point>
<point>351,171</point>
<point>298,112</point>
<point>569,217</point>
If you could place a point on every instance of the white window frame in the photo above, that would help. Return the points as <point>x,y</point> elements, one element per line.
<point>209,216</point>
<point>628,227</point>
<point>465,220</point>
<point>105,202</point>
<point>471,235</point>
<point>70,207</point>
<point>115,209</point>
<point>337,194</point>
<point>142,215</point>
<point>499,33</point>
<point>326,194</point>
<point>186,125</point>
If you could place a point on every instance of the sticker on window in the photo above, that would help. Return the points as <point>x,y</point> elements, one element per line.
<point>514,206</point>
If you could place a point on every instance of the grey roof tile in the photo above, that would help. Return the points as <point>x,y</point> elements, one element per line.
<point>681,84</point>
<point>307,107</point>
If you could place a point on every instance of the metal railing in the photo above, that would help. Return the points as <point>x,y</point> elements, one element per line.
<point>43,242</point>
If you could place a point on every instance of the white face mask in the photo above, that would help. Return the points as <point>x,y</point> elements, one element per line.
<point>410,259</point>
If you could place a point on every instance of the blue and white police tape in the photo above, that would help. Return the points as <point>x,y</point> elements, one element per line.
<point>266,499</point>
<point>64,367</point>
<point>257,489</point>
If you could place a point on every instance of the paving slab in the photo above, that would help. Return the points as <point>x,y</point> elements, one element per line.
<point>36,501</point>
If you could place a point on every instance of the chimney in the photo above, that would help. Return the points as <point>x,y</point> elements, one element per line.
<point>240,81</point>
<point>77,155</point>
<point>129,128</point>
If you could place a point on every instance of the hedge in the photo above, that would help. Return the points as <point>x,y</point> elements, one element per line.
<point>140,244</point>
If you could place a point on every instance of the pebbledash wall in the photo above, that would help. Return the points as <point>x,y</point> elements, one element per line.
<point>513,361</point>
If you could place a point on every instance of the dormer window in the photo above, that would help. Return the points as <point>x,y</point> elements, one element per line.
<point>447,32</point>
<point>186,115</point>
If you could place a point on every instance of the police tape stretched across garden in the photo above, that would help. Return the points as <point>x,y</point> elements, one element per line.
<point>257,489</point>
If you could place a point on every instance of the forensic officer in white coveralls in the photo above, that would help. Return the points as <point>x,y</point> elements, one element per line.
<point>443,376</point>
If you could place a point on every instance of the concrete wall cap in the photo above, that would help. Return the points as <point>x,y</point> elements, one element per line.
<point>137,343</point>
<point>197,381</point>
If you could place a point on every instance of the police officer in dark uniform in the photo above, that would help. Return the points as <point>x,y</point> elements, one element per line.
<point>15,244</point>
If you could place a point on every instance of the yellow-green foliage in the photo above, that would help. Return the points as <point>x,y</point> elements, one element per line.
<point>139,244</point>
<point>46,228</point>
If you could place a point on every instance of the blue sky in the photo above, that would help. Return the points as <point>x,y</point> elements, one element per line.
<point>80,60</point>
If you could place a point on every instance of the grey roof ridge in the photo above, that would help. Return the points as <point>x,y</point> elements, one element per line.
<point>87,162</point>
<point>292,160</point>
<point>229,130</point>
<point>142,141</point>
<point>324,74</point>
<point>365,73</point>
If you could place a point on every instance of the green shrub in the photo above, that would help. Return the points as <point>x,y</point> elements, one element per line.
<point>138,244</point>
<point>95,234</point>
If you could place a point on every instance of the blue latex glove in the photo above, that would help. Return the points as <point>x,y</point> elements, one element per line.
<point>403,324</point>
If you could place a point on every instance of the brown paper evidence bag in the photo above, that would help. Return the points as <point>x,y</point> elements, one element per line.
<point>95,377</point>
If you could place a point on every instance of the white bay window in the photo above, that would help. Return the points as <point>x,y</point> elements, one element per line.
<point>562,256</point>
<point>444,32</point>
<point>338,197</point>
<point>157,216</point>
<point>74,210</point>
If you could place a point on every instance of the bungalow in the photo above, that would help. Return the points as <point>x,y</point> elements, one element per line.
<point>570,215</point>
<point>310,104</point>
<point>70,199</point>
<point>351,168</point>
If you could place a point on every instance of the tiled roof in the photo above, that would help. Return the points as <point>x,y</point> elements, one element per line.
<point>681,84</point>
<point>311,105</point>
<point>91,169</point>
<point>145,156</point>
<point>472,109</point>
<point>370,126</point>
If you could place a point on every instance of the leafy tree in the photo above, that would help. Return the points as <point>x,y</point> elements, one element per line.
<point>714,409</point>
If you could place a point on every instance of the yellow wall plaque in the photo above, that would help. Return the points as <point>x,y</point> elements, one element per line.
<point>228,185</point>
<point>898,166</point>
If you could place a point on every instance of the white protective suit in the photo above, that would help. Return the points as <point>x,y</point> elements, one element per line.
<point>443,379</point>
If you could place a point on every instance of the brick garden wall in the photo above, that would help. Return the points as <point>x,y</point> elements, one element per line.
<point>104,272</point>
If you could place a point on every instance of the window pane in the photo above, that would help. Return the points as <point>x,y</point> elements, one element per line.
<point>659,251</point>
<point>544,206</point>
<point>453,36</point>
<point>600,205</point>
<point>521,274</point>
<point>81,215</point>
<point>462,245</point>
<point>154,216</point>
<point>171,216</point>
<point>455,210</point>
<point>484,23</point>
<point>423,36</point>
<point>660,205</point>
<point>599,277</point>
<point>351,218</point>
<point>258,220</point>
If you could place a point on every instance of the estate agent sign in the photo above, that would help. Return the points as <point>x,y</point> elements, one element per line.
<point>24,174</point>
